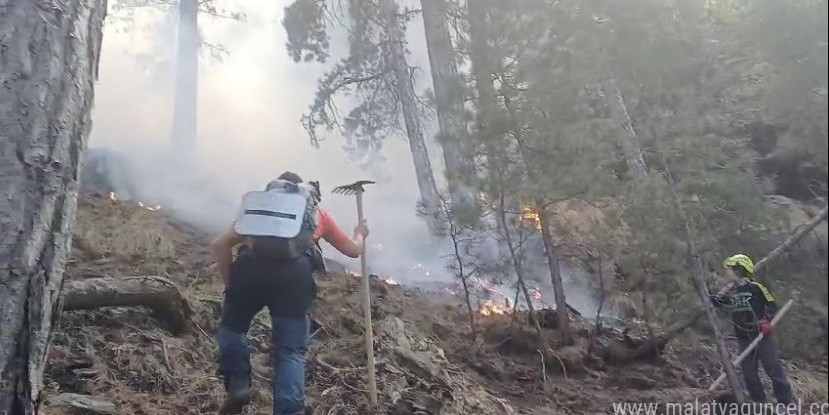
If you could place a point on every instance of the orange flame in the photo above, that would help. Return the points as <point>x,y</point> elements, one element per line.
<point>491,308</point>
<point>532,215</point>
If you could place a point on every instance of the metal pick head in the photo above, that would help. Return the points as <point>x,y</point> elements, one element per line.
<point>352,188</point>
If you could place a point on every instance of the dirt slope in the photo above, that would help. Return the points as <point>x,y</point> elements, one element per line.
<point>427,360</point>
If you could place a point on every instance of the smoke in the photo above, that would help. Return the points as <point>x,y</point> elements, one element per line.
<point>249,107</point>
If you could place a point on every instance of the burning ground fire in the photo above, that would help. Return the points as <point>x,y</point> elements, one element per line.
<point>151,208</point>
<point>493,299</point>
<point>491,308</point>
<point>531,215</point>
<point>387,280</point>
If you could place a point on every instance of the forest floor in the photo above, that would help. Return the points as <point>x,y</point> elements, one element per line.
<point>428,361</point>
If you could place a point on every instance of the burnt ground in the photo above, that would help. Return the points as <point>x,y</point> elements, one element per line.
<point>428,360</point>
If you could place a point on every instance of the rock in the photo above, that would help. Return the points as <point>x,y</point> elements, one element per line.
<point>414,402</point>
<point>423,363</point>
<point>88,404</point>
<point>639,381</point>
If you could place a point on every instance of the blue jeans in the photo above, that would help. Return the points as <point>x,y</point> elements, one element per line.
<point>286,289</point>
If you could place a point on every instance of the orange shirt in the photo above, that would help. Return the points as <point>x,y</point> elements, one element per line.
<point>329,230</point>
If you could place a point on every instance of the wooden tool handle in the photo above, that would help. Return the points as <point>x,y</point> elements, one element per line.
<point>753,344</point>
<point>369,332</point>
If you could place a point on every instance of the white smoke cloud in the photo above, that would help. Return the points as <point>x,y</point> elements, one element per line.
<point>250,105</point>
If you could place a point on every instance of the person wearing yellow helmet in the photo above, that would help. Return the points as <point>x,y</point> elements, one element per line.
<point>752,307</point>
<point>742,261</point>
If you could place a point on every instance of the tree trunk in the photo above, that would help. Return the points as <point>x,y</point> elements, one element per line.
<point>680,327</point>
<point>619,114</point>
<point>555,277</point>
<point>698,274</point>
<point>48,66</point>
<point>731,372</point>
<point>482,71</point>
<point>549,249</point>
<point>408,104</point>
<point>519,273</point>
<point>465,284</point>
<point>185,105</point>
<point>158,294</point>
<point>449,98</point>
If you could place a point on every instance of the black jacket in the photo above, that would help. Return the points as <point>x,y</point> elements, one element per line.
<point>749,301</point>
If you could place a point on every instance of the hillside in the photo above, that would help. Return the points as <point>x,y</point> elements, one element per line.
<point>428,362</point>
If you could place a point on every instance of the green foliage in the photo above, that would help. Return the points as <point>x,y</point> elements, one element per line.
<point>690,74</point>
<point>304,23</point>
<point>364,78</point>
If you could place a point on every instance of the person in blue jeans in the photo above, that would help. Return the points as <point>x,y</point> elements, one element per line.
<point>287,289</point>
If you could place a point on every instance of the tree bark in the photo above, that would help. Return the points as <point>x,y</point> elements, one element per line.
<point>555,277</point>
<point>408,104</point>
<point>698,273</point>
<point>549,249</point>
<point>183,135</point>
<point>449,98</point>
<point>619,114</point>
<point>482,73</point>
<point>48,66</point>
<point>519,273</point>
<point>487,106</point>
<point>158,294</point>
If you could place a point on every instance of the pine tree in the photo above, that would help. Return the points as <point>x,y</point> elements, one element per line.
<point>375,72</point>
<point>48,67</point>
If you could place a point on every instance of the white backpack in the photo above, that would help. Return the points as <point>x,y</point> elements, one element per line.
<point>280,221</point>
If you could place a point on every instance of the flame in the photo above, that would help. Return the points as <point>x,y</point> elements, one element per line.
<point>532,215</point>
<point>491,308</point>
<point>356,274</point>
<point>152,208</point>
<point>535,294</point>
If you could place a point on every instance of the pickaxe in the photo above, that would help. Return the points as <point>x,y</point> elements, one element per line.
<point>356,188</point>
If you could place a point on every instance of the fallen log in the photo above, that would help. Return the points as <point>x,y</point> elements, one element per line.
<point>84,404</point>
<point>160,295</point>
<point>656,345</point>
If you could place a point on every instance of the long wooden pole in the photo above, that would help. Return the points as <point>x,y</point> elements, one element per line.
<point>793,238</point>
<point>753,344</point>
<point>680,327</point>
<point>369,332</point>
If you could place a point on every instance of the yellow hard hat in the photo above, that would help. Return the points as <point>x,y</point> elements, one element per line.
<point>741,260</point>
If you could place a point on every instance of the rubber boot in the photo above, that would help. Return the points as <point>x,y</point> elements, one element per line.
<point>238,395</point>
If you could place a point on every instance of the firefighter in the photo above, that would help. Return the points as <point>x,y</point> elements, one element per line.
<point>752,308</point>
